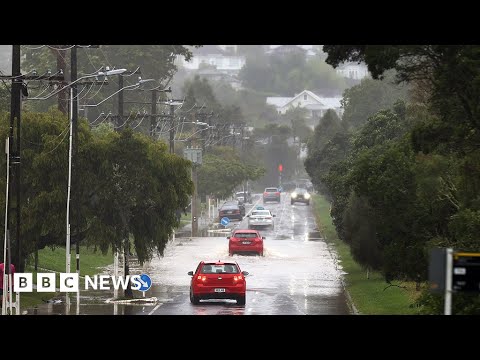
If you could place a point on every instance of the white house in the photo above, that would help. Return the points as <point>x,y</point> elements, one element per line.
<point>353,71</point>
<point>286,49</point>
<point>316,105</point>
<point>214,56</point>
<point>229,49</point>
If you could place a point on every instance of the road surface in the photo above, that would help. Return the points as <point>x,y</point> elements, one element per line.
<point>299,274</point>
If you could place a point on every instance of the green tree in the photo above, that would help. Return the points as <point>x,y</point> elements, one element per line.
<point>322,79</point>
<point>130,186</point>
<point>143,187</point>
<point>363,100</point>
<point>155,62</point>
<point>328,127</point>
<point>222,171</point>
<point>361,234</point>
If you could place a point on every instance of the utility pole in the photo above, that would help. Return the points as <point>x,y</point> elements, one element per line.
<point>76,193</point>
<point>172,129</point>
<point>120,99</point>
<point>15,110</point>
<point>153,112</point>
<point>243,138</point>
<point>74,161</point>
<point>195,182</point>
<point>60,54</point>
<point>17,90</point>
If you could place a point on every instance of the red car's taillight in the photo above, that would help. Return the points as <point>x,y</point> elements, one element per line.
<point>237,278</point>
<point>202,278</point>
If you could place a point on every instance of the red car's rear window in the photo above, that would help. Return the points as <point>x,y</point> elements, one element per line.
<point>245,235</point>
<point>219,269</point>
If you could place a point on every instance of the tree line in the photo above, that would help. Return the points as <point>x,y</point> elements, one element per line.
<point>402,169</point>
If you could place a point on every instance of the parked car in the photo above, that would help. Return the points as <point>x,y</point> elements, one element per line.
<point>244,196</point>
<point>261,217</point>
<point>300,195</point>
<point>271,194</point>
<point>240,204</point>
<point>245,241</point>
<point>231,211</point>
<point>218,280</point>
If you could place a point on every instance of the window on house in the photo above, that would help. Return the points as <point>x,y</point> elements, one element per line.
<point>304,96</point>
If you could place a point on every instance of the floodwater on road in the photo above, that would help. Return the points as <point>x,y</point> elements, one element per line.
<point>298,274</point>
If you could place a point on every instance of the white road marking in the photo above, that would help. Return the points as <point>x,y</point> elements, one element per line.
<point>155,309</point>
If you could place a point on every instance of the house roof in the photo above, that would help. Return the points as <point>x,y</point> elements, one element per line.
<point>278,101</point>
<point>332,102</point>
<point>322,102</point>
<point>209,50</point>
<point>328,102</point>
<point>285,48</point>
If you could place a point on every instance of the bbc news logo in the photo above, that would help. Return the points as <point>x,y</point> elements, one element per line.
<point>46,282</point>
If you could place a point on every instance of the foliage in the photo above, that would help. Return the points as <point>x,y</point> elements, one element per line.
<point>4,98</point>
<point>361,234</point>
<point>318,161</point>
<point>365,99</point>
<point>123,184</point>
<point>289,74</point>
<point>155,62</point>
<point>222,172</point>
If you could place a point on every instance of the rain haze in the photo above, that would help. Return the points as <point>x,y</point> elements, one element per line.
<point>239,179</point>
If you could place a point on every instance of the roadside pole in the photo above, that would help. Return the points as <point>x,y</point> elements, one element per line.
<point>448,282</point>
<point>6,265</point>
<point>115,272</point>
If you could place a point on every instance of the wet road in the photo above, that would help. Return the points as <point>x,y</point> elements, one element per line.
<point>298,275</point>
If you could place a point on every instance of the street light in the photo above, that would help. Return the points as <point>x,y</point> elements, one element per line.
<point>70,152</point>
<point>116,92</point>
<point>100,73</point>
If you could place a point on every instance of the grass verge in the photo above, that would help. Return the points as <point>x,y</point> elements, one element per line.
<point>54,260</point>
<point>370,296</point>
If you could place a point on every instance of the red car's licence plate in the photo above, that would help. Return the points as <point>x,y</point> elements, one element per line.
<point>246,242</point>
<point>219,290</point>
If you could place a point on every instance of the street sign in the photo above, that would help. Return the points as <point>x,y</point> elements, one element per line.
<point>466,271</point>
<point>225,221</point>
<point>436,270</point>
<point>146,282</point>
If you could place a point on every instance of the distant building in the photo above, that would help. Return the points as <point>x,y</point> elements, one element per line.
<point>291,49</point>
<point>215,62</point>
<point>214,56</point>
<point>316,105</point>
<point>229,49</point>
<point>353,71</point>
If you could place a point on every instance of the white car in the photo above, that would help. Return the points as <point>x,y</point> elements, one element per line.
<point>261,217</point>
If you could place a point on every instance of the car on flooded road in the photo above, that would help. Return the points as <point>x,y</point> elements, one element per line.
<point>231,210</point>
<point>245,241</point>
<point>271,194</point>
<point>300,195</point>
<point>218,280</point>
<point>261,217</point>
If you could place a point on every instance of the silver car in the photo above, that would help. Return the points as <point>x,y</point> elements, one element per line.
<point>261,218</point>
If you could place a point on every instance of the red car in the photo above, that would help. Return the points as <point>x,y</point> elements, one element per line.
<point>245,241</point>
<point>218,280</point>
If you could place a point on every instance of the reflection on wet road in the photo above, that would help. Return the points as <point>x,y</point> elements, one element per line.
<point>299,273</point>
